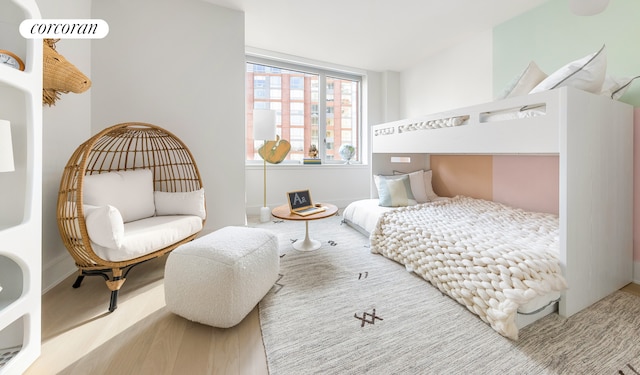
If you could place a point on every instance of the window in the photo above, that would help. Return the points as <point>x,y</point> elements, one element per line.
<point>313,107</point>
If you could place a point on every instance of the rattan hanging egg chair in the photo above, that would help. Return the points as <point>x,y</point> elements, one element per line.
<point>120,148</point>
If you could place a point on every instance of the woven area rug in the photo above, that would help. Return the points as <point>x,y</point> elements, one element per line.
<point>343,310</point>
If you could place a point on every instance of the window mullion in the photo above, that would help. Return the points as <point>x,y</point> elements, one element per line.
<point>322,116</point>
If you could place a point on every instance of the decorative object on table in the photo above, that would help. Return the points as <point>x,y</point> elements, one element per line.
<point>10,59</point>
<point>59,76</point>
<point>587,7</point>
<point>300,203</point>
<point>274,152</point>
<point>6,147</point>
<point>347,152</point>
<point>313,152</point>
<point>312,161</point>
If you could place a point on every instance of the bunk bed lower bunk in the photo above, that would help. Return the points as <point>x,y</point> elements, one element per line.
<point>590,247</point>
<point>499,262</point>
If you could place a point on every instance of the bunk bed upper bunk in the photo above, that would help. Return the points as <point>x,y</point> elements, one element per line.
<point>531,124</point>
<point>593,137</point>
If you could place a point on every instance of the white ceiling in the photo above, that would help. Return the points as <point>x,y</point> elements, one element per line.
<point>375,35</point>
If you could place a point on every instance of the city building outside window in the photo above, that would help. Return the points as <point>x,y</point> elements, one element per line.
<point>314,107</point>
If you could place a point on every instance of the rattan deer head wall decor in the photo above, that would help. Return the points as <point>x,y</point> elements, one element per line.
<point>59,76</point>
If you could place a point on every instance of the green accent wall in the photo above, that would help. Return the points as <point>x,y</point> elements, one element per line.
<point>552,36</point>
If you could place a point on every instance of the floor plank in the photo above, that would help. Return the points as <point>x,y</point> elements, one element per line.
<point>141,336</point>
<point>632,288</point>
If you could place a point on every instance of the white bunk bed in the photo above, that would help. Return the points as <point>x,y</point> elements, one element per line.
<point>593,137</point>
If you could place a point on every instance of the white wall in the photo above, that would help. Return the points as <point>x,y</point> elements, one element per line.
<point>456,77</point>
<point>145,70</point>
<point>65,126</point>
<point>337,184</point>
<point>179,65</point>
<point>390,95</point>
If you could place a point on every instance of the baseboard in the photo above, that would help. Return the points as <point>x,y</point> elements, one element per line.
<point>56,270</point>
<point>636,272</point>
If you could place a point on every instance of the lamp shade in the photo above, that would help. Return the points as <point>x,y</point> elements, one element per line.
<point>587,7</point>
<point>6,147</point>
<point>264,124</point>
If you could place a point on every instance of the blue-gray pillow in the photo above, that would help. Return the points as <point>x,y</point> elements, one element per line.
<point>394,191</point>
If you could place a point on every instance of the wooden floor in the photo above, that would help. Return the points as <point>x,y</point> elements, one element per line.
<point>141,336</point>
<point>632,288</point>
<point>79,336</point>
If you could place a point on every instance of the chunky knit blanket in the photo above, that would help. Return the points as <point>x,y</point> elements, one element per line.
<point>489,257</point>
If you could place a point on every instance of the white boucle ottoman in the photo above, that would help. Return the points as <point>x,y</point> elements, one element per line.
<point>219,278</point>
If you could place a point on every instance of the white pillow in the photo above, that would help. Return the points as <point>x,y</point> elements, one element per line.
<point>394,191</point>
<point>428,187</point>
<point>522,84</point>
<point>181,203</point>
<point>416,180</point>
<point>131,192</point>
<point>585,74</point>
<point>614,87</point>
<point>105,226</point>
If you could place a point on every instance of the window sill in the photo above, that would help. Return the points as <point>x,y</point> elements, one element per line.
<point>295,166</point>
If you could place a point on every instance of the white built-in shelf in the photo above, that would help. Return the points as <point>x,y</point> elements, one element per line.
<point>20,194</point>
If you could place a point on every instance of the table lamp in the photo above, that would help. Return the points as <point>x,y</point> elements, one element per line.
<point>264,128</point>
<point>6,147</point>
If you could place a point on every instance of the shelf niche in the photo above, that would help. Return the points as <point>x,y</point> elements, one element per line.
<point>13,107</point>
<point>21,201</point>
<point>11,336</point>
<point>10,18</point>
<point>14,205</point>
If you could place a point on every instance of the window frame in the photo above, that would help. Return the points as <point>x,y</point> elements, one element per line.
<point>322,71</point>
